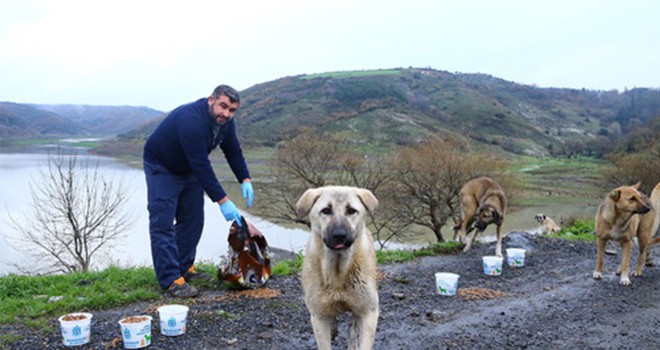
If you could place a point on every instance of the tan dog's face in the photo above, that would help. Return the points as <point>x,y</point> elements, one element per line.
<point>540,218</point>
<point>336,213</point>
<point>485,216</point>
<point>629,200</point>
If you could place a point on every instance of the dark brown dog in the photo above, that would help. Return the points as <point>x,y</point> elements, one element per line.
<point>624,214</point>
<point>483,202</point>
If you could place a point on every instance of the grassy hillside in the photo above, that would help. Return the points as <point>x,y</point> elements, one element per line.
<point>403,106</point>
<point>382,109</point>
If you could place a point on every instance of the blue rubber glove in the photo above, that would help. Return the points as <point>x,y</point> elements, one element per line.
<point>230,212</point>
<point>248,192</point>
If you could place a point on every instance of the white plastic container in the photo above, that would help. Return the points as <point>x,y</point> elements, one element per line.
<point>515,257</point>
<point>173,319</point>
<point>492,265</point>
<point>76,328</point>
<point>136,331</point>
<point>446,283</point>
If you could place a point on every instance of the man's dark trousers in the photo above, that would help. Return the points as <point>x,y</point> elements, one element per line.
<point>176,219</point>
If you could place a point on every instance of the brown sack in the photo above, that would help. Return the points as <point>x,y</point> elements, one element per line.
<point>248,262</point>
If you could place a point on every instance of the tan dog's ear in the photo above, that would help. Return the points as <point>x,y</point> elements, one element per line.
<point>306,202</point>
<point>614,195</point>
<point>636,186</point>
<point>368,199</point>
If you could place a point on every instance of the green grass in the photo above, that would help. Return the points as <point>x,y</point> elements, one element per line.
<point>288,267</point>
<point>27,297</point>
<point>387,256</point>
<point>580,230</point>
<point>85,144</point>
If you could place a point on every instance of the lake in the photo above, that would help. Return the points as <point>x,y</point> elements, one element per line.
<point>17,170</point>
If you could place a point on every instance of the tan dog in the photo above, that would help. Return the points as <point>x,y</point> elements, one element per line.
<point>546,224</point>
<point>483,202</point>
<point>339,268</point>
<point>623,215</point>
<point>648,227</point>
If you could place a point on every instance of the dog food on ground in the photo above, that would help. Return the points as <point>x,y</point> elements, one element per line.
<point>260,293</point>
<point>480,293</point>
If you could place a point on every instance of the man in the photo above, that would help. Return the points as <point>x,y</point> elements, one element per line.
<point>178,173</point>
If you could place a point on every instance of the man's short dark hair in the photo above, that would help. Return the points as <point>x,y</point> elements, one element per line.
<point>228,91</point>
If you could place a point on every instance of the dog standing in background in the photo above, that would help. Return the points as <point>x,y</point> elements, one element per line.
<point>546,224</point>
<point>624,214</point>
<point>339,270</point>
<point>483,202</point>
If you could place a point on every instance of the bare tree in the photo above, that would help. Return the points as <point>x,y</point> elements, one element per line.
<point>630,168</point>
<point>305,161</point>
<point>76,212</point>
<point>313,160</point>
<point>429,178</point>
<point>376,174</point>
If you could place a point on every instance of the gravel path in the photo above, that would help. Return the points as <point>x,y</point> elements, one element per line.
<point>550,303</point>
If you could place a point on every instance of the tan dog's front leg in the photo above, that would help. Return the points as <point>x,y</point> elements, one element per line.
<point>322,327</point>
<point>644,257</point>
<point>469,239</point>
<point>498,248</point>
<point>626,249</point>
<point>598,272</point>
<point>362,332</point>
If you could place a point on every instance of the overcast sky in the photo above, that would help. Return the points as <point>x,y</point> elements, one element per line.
<point>161,54</point>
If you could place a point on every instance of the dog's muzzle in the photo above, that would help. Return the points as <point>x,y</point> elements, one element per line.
<point>480,225</point>
<point>338,237</point>
<point>644,209</point>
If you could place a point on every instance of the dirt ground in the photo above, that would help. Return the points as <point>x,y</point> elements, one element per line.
<point>550,303</point>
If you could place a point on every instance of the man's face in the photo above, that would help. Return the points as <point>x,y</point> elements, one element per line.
<point>221,109</point>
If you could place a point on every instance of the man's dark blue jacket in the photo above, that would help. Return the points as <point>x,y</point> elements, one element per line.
<point>182,143</point>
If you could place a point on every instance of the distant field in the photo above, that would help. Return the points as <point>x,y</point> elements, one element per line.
<point>29,142</point>
<point>574,177</point>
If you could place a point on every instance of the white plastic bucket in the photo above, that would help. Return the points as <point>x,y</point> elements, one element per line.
<point>492,265</point>
<point>446,283</point>
<point>173,319</point>
<point>515,257</point>
<point>76,328</point>
<point>136,331</point>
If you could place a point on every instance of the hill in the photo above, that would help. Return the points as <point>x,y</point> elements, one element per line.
<point>381,108</point>
<point>104,120</point>
<point>19,120</point>
<point>34,120</point>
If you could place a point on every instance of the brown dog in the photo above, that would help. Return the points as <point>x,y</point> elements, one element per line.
<point>624,214</point>
<point>339,270</point>
<point>546,224</point>
<point>648,227</point>
<point>483,202</point>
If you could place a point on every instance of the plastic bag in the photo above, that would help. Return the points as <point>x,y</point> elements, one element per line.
<point>247,264</point>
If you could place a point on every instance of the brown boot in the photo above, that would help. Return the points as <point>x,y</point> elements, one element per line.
<point>180,289</point>
<point>193,276</point>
